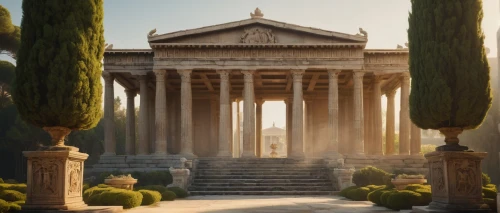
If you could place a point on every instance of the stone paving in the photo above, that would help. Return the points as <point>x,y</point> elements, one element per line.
<point>262,204</point>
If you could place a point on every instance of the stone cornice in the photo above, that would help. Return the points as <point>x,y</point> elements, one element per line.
<point>244,45</point>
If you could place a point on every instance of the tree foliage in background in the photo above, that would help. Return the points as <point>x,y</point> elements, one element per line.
<point>7,73</point>
<point>9,33</point>
<point>448,65</point>
<point>59,63</point>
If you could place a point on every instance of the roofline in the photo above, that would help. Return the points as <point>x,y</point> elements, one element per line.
<point>253,21</point>
<point>274,45</point>
<point>386,51</point>
<point>114,51</point>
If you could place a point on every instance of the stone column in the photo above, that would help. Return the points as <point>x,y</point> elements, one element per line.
<point>298,116</point>
<point>186,114</point>
<point>404,115</point>
<point>237,147</point>
<point>143,148</point>
<point>109,114</point>
<point>390,123</point>
<point>258,128</point>
<point>248,115</point>
<point>377,117</point>
<point>358,114</point>
<point>224,116</point>
<point>160,114</point>
<point>333,115</point>
<point>415,142</point>
<point>288,103</point>
<point>130,128</point>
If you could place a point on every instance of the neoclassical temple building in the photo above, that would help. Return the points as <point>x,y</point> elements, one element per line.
<point>188,81</point>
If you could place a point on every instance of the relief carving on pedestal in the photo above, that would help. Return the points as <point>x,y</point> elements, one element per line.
<point>45,175</point>
<point>258,36</point>
<point>465,174</point>
<point>74,174</point>
<point>437,176</point>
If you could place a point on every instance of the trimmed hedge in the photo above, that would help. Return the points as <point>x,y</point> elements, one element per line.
<point>168,196</point>
<point>20,187</point>
<point>11,195</point>
<point>492,203</point>
<point>403,199</point>
<point>343,192</point>
<point>4,206</point>
<point>489,193</point>
<point>385,195</point>
<point>374,196</point>
<point>179,192</point>
<point>149,197</point>
<point>14,207</point>
<point>118,197</point>
<point>359,194</point>
<point>371,176</point>
<point>93,193</point>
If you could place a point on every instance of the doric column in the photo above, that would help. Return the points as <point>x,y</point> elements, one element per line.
<point>404,115</point>
<point>390,123</point>
<point>109,114</point>
<point>288,103</point>
<point>160,114</point>
<point>186,114</point>
<point>358,113</point>
<point>130,126</point>
<point>143,148</point>
<point>298,115</point>
<point>237,141</point>
<point>224,116</point>
<point>416,138</point>
<point>248,115</point>
<point>377,117</point>
<point>333,115</point>
<point>258,128</point>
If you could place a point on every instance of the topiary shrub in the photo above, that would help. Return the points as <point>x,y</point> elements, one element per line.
<point>485,179</point>
<point>179,192</point>
<point>11,195</point>
<point>343,192</point>
<point>85,187</point>
<point>14,207</point>
<point>115,197</point>
<point>375,187</point>
<point>413,187</point>
<point>92,193</point>
<point>370,176</point>
<point>20,187</point>
<point>4,206</point>
<point>491,186</point>
<point>359,194</point>
<point>168,196</point>
<point>403,199</point>
<point>385,195</point>
<point>375,196</point>
<point>158,188</point>
<point>19,202</point>
<point>489,193</point>
<point>149,197</point>
<point>1,180</point>
<point>426,196</point>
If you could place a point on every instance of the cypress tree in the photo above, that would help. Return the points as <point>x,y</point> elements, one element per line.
<point>59,64</point>
<point>448,65</point>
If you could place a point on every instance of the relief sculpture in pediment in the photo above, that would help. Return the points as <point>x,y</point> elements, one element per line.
<point>258,36</point>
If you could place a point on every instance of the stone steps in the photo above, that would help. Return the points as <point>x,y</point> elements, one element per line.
<point>194,193</point>
<point>240,173</point>
<point>261,176</point>
<point>199,180</point>
<point>313,184</point>
<point>260,188</point>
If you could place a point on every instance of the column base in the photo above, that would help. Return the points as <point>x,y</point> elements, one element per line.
<point>188,155</point>
<point>224,154</point>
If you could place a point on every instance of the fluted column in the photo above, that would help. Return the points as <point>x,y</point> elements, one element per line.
<point>248,115</point>
<point>404,115</point>
<point>186,114</point>
<point>415,142</point>
<point>298,115</point>
<point>130,126</point>
<point>390,123</point>
<point>224,115</point>
<point>333,115</point>
<point>237,141</point>
<point>288,103</point>
<point>109,114</point>
<point>143,148</point>
<point>258,128</point>
<point>160,114</point>
<point>358,113</point>
<point>377,117</point>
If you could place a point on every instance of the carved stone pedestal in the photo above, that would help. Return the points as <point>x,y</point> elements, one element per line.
<point>180,178</point>
<point>344,177</point>
<point>55,180</point>
<point>455,178</point>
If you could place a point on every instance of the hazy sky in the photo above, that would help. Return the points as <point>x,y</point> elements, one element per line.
<point>127,23</point>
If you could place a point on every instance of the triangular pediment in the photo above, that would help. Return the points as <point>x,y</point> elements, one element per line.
<point>257,31</point>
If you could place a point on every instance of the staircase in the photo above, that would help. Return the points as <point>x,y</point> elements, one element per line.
<point>264,176</point>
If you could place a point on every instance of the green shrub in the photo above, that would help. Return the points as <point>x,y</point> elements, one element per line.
<point>113,197</point>
<point>11,195</point>
<point>20,187</point>
<point>179,192</point>
<point>168,196</point>
<point>158,188</point>
<point>19,202</point>
<point>374,187</point>
<point>426,196</point>
<point>493,186</point>
<point>492,203</point>
<point>343,192</point>
<point>85,187</point>
<point>91,193</point>
<point>403,199</point>
<point>1,180</point>
<point>370,176</point>
<point>359,194</point>
<point>4,206</point>
<point>14,207</point>
<point>149,197</point>
<point>385,195</point>
<point>413,187</point>
<point>485,179</point>
<point>103,186</point>
<point>375,196</point>
<point>489,193</point>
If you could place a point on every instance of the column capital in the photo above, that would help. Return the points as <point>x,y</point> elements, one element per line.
<point>333,73</point>
<point>185,75</point>
<point>259,101</point>
<point>108,77</point>
<point>131,93</point>
<point>160,74</point>
<point>358,74</point>
<point>288,100</point>
<point>142,77</point>
<point>377,78</point>
<point>248,75</point>
<point>224,74</point>
<point>390,93</point>
<point>405,77</point>
<point>247,72</point>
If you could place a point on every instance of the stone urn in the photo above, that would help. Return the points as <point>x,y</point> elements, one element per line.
<point>402,181</point>
<point>273,147</point>
<point>121,181</point>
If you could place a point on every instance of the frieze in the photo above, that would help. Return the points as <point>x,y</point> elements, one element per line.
<point>386,59</point>
<point>45,176</point>
<point>128,58</point>
<point>326,53</point>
